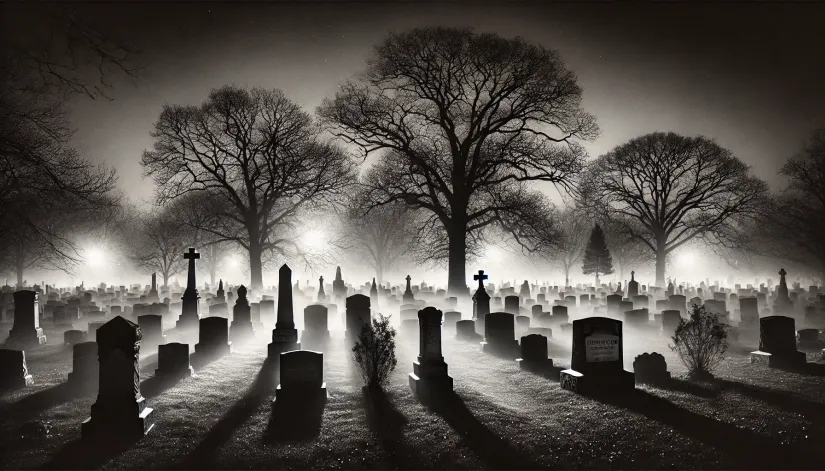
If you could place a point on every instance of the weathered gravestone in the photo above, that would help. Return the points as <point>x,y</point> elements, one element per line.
<point>500,336</point>
<point>13,371</point>
<point>91,330</point>
<point>120,412</point>
<point>241,329</point>
<point>597,362</point>
<point>357,316</point>
<point>71,337</point>
<point>26,331</point>
<point>511,304</point>
<point>777,344</point>
<point>670,321</point>
<point>316,326</point>
<point>808,338</point>
<point>429,379</point>
<point>284,335</point>
<point>466,331</point>
<point>173,361</point>
<point>651,368</point>
<point>85,373</point>
<point>213,340</point>
<point>637,318</point>
<point>151,327</point>
<point>450,319</point>
<point>534,356</point>
<point>523,323</point>
<point>748,313</point>
<point>559,315</point>
<point>302,379</point>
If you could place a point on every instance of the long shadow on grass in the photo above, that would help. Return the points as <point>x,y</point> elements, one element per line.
<point>386,421</point>
<point>203,456</point>
<point>495,451</point>
<point>34,404</point>
<point>788,402</point>
<point>750,449</point>
<point>689,387</point>
<point>86,454</point>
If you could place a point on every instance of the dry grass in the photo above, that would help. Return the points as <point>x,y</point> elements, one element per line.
<point>222,418</point>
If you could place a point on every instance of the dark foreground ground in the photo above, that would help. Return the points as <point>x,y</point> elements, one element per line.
<point>503,418</point>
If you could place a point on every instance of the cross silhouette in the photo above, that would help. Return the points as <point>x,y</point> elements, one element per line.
<point>782,272</point>
<point>480,277</point>
<point>191,254</point>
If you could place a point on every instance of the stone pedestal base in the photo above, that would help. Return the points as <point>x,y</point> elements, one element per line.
<point>510,350</point>
<point>188,323</point>
<point>544,368</point>
<point>274,349</point>
<point>106,426</point>
<point>791,360</point>
<point>430,381</point>
<point>24,339</point>
<point>575,381</point>
<point>301,397</point>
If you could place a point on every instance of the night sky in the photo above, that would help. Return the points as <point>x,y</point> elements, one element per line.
<point>750,75</point>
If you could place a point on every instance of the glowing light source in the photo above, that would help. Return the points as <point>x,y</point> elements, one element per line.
<point>687,258</point>
<point>494,254</point>
<point>234,262</point>
<point>314,238</point>
<point>94,257</point>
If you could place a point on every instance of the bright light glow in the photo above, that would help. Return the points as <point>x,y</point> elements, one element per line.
<point>687,258</point>
<point>494,254</point>
<point>234,262</point>
<point>94,258</point>
<point>314,239</point>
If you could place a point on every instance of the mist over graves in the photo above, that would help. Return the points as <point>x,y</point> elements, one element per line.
<point>431,248</point>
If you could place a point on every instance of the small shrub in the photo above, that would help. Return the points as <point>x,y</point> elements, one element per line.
<point>701,342</point>
<point>374,352</point>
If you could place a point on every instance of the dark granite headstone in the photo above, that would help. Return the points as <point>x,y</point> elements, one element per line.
<point>777,344</point>
<point>466,331</point>
<point>429,379</point>
<point>173,361</point>
<point>213,339</point>
<point>302,379</point>
<point>13,371</point>
<point>316,326</point>
<point>534,356</point>
<point>597,361</point>
<point>499,337</point>
<point>26,331</point>
<point>120,412</point>
<point>241,329</point>
<point>651,368</point>
<point>85,374</point>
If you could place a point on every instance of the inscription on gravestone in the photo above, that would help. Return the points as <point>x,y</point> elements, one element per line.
<point>601,347</point>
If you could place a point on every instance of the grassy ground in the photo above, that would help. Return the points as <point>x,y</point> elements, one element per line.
<point>222,418</point>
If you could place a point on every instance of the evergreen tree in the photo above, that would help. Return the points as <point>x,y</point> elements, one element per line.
<point>597,259</point>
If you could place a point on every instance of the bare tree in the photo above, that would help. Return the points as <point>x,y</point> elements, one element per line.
<point>258,155</point>
<point>461,120</point>
<point>574,231</point>
<point>794,228</point>
<point>159,241</point>
<point>382,237</point>
<point>628,253</point>
<point>665,190</point>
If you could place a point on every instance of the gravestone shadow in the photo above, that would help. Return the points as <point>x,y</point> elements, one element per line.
<point>83,454</point>
<point>294,422</point>
<point>387,422</point>
<point>35,403</point>
<point>148,363</point>
<point>749,449</point>
<point>688,387</point>
<point>258,392</point>
<point>495,451</point>
<point>156,385</point>
<point>782,400</point>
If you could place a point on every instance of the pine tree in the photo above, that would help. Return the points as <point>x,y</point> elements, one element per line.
<point>597,259</point>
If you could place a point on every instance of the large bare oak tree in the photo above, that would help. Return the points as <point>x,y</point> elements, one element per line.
<point>460,121</point>
<point>665,190</point>
<point>258,154</point>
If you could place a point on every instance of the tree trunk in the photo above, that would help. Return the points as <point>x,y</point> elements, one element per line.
<point>20,267</point>
<point>255,266</point>
<point>165,276</point>
<point>661,256</point>
<point>457,269</point>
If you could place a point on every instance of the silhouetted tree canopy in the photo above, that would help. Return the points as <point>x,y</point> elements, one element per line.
<point>259,156</point>
<point>460,122</point>
<point>597,259</point>
<point>665,190</point>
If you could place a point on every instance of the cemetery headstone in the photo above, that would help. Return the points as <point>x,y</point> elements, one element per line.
<point>71,337</point>
<point>466,331</point>
<point>651,368</point>
<point>26,331</point>
<point>429,379</point>
<point>241,329</point>
<point>213,340</point>
<point>534,356</point>
<point>357,316</point>
<point>499,335</point>
<point>316,325</point>
<point>190,316</point>
<point>85,372</point>
<point>777,344</point>
<point>120,411</point>
<point>13,371</point>
<point>597,361</point>
<point>285,335</point>
<point>302,379</point>
<point>173,361</point>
